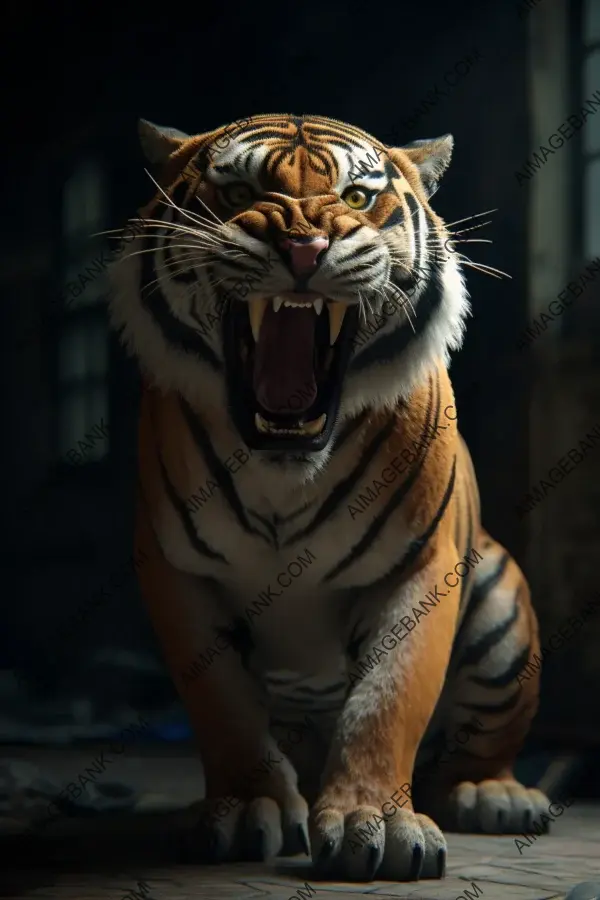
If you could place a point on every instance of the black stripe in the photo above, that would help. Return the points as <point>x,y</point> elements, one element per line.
<point>329,132</point>
<point>186,520</point>
<point>349,428</point>
<point>346,485</point>
<point>343,488</point>
<point>217,468</point>
<point>294,515</point>
<point>321,692</point>
<point>458,521</point>
<point>185,277</point>
<point>365,172</point>
<point>355,641</point>
<point>351,232</point>
<point>389,346</point>
<point>492,708</point>
<point>479,649</point>
<point>173,331</point>
<point>270,527</point>
<point>503,729</point>
<point>504,678</point>
<point>415,547</point>
<point>260,133</point>
<point>396,217</point>
<point>372,532</point>
<point>393,174</point>
<point>239,636</point>
<point>466,583</point>
<point>342,143</point>
<point>303,704</point>
<point>479,595</point>
<point>226,169</point>
<point>179,193</point>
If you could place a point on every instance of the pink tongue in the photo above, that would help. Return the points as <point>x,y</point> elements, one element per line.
<point>284,376</point>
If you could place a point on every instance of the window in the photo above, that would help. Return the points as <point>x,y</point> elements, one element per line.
<point>83,342</point>
<point>591,132</point>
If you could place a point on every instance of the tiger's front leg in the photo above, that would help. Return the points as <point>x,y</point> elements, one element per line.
<point>363,822</point>
<point>252,808</point>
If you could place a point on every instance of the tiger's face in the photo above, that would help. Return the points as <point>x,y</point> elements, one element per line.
<point>295,275</point>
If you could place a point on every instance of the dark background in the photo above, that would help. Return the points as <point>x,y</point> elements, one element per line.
<point>76,86</point>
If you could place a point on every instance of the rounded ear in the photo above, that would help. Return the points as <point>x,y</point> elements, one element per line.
<point>159,143</point>
<point>431,157</point>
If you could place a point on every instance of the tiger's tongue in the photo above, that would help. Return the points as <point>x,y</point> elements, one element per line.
<point>284,374</point>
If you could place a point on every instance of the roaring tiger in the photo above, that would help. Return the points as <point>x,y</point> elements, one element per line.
<point>307,504</point>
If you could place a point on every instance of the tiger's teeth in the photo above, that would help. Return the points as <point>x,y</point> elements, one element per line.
<point>316,426</point>
<point>278,302</point>
<point>256,311</point>
<point>261,424</point>
<point>337,311</point>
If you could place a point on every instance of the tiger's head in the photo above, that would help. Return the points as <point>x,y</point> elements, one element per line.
<point>291,272</point>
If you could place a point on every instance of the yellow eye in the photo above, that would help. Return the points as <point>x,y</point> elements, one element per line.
<point>238,194</point>
<point>356,198</point>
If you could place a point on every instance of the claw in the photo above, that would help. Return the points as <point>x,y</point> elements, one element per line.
<point>326,852</point>
<point>441,862</point>
<point>373,862</point>
<point>416,864</point>
<point>303,838</point>
<point>258,846</point>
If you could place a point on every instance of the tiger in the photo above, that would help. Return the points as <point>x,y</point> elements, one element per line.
<point>304,498</point>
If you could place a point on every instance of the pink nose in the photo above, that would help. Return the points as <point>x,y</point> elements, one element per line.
<point>303,254</point>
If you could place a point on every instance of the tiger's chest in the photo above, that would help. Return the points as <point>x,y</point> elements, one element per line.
<point>285,569</point>
<point>263,548</point>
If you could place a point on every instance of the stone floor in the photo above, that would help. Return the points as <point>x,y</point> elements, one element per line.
<point>132,854</point>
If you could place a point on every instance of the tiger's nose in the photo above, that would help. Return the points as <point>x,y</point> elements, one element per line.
<point>303,253</point>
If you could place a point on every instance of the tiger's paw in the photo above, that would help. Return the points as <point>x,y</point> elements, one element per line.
<point>494,807</point>
<point>359,844</point>
<point>232,830</point>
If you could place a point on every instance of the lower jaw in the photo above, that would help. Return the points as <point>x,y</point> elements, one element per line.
<point>244,407</point>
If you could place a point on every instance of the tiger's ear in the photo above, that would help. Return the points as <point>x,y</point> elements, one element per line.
<point>159,143</point>
<point>432,158</point>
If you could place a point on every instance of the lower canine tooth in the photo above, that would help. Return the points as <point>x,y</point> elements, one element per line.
<point>337,311</point>
<point>316,426</point>
<point>256,311</point>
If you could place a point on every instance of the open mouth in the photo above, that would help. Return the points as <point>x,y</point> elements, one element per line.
<point>286,358</point>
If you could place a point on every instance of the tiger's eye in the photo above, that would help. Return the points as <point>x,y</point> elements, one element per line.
<point>355,198</point>
<point>237,195</point>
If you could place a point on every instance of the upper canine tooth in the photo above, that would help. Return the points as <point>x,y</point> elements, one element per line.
<point>260,424</point>
<point>256,311</point>
<point>318,305</point>
<point>337,311</point>
<point>277,301</point>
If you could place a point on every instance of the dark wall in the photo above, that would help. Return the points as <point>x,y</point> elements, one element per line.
<point>401,72</point>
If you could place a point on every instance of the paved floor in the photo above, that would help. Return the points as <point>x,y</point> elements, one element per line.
<point>132,855</point>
